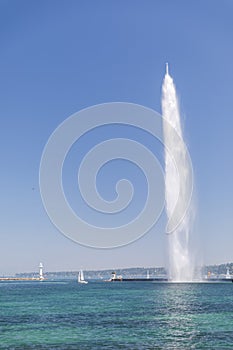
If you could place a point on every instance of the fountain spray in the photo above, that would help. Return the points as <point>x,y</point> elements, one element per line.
<point>181,267</point>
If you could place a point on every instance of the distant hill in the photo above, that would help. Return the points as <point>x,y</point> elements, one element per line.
<point>127,272</point>
<point>102,274</point>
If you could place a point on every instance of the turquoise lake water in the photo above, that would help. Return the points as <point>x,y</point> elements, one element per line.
<point>124,315</point>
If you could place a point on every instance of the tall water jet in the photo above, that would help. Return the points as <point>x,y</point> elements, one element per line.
<point>180,265</point>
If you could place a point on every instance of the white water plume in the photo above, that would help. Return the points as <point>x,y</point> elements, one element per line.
<point>181,267</point>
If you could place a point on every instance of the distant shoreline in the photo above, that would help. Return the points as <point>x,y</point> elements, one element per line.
<point>127,272</point>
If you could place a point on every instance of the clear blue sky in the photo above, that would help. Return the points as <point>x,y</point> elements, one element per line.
<point>58,57</point>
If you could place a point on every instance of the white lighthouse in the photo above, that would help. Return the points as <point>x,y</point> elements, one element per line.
<point>228,276</point>
<point>41,277</point>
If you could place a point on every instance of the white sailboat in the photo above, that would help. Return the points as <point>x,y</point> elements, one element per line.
<point>81,277</point>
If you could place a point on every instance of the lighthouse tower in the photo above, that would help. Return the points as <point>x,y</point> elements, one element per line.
<point>228,276</point>
<point>41,277</point>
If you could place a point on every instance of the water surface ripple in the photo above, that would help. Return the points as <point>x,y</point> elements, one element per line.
<point>136,315</point>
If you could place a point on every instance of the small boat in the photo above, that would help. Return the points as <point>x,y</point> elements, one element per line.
<point>81,277</point>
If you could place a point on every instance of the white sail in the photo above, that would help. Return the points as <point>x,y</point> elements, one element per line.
<point>81,277</point>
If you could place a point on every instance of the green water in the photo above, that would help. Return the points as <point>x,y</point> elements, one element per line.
<point>136,315</point>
